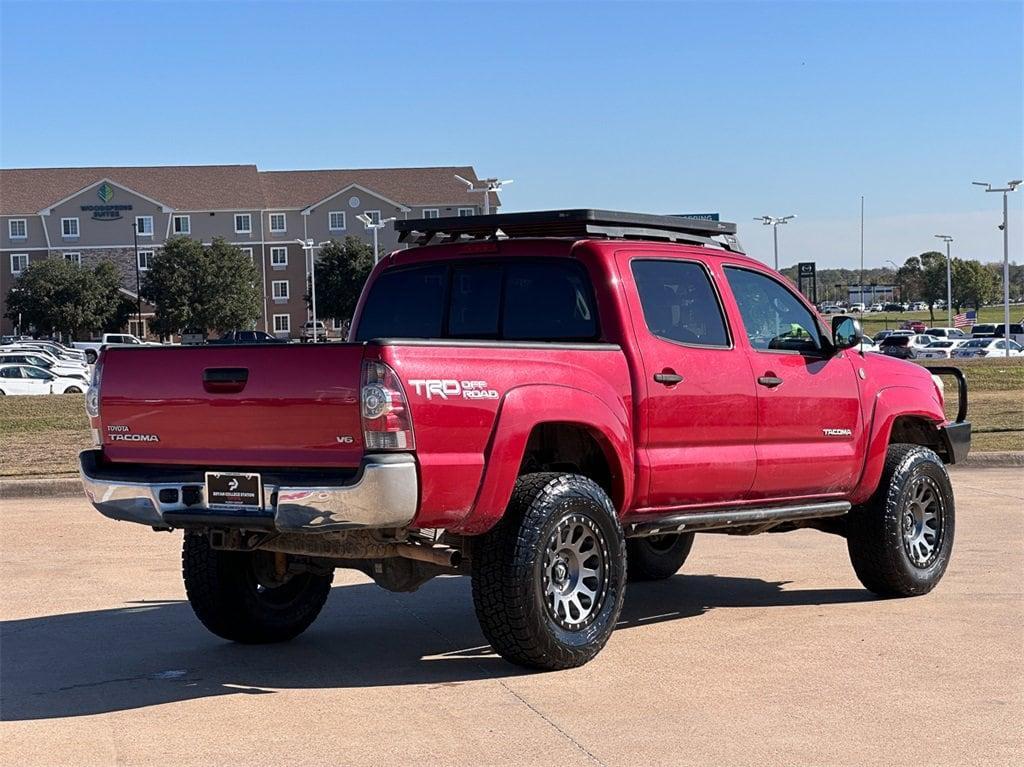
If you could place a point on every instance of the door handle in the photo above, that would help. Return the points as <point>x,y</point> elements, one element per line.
<point>668,378</point>
<point>770,381</point>
<point>225,380</point>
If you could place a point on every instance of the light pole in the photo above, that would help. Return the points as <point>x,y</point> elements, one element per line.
<point>489,185</point>
<point>1011,186</point>
<point>376,226</point>
<point>309,247</point>
<point>895,276</point>
<point>774,222</point>
<point>949,279</point>
<point>138,277</point>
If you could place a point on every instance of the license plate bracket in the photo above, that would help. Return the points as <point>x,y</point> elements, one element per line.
<point>234,491</point>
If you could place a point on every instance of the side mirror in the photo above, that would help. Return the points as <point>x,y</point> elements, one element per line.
<point>846,332</point>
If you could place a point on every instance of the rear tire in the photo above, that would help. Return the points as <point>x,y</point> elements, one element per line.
<point>227,593</point>
<point>657,557</point>
<point>72,390</point>
<point>901,540</point>
<point>550,577</point>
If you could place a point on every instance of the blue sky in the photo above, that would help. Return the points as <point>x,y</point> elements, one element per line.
<point>742,108</point>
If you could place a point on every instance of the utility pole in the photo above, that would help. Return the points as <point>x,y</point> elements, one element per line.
<point>138,277</point>
<point>488,185</point>
<point>861,278</point>
<point>949,279</point>
<point>1011,186</point>
<point>774,222</point>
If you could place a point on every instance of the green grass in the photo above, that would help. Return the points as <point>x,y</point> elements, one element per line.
<point>872,322</point>
<point>41,436</point>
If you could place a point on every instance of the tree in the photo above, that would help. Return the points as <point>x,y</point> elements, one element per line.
<point>933,279</point>
<point>55,295</point>
<point>973,284</point>
<point>341,271</point>
<point>201,288</point>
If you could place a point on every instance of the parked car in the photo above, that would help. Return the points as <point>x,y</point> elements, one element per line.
<point>28,379</point>
<point>93,348</point>
<point>858,308</point>
<point>246,337</point>
<point>867,345</point>
<point>986,347</point>
<point>1016,332</point>
<point>919,306</point>
<point>877,308</point>
<point>831,309</point>
<point>903,346</point>
<point>532,412</point>
<point>985,330</point>
<point>894,307</point>
<point>308,331</point>
<point>44,361</point>
<point>941,349</point>
<point>58,350</point>
<point>946,333</point>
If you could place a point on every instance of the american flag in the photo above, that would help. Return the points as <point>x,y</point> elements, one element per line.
<point>964,319</point>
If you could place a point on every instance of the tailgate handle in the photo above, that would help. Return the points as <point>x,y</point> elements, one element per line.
<point>225,380</point>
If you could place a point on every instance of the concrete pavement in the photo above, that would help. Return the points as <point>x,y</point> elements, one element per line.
<point>764,650</point>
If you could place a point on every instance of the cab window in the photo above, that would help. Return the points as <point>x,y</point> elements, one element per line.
<point>773,318</point>
<point>679,303</point>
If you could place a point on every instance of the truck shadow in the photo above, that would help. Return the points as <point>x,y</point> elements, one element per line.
<point>149,654</point>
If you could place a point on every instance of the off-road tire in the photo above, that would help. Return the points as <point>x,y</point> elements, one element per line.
<point>509,571</point>
<point>875,531</point>
<point>222,589</point>
<point>657,557</point>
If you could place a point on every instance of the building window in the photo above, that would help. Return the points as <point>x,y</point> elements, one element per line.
<point>19,262</point>
<point>243,223</point>
<point>75,258</point>
<point>182,225</point>
<point>337,324</point>
<point>144,226</point>
<point>247,251</point>
<point>145,260</point>
<point>69,227</point>
<point>17,229</point>
<point>374,216</point>
<point>280,290</point>
<point>278,223</point>
<point>431,213</point>
<point>282,323</point>
<point>279,257</point>
<point>467,211</point>
<point>336,220</point>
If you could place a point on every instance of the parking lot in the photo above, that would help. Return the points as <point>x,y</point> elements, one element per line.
<point>763,650</point>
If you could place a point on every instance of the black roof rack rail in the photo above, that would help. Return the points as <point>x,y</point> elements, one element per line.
<point>577,223</point>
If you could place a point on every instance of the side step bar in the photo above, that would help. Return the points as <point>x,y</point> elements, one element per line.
<point>722,519</point>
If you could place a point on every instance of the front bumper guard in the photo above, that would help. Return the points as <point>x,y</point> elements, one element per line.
<point>384,494</point>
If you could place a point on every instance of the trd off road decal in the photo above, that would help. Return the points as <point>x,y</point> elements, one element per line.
<point>443,388</point>
<point>118,433</point>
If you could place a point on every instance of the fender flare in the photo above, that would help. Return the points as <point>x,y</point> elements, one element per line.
<point>526,407</point>
<point>890,403</point>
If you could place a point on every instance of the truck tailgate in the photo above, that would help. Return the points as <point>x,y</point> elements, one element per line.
<point>227,406</point>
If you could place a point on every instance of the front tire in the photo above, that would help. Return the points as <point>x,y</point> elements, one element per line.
<point>239,596</point>
<point>550,577</point>
<point>657,557</point>
<point>901,540</point>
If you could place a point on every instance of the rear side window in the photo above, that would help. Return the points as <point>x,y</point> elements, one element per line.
<point>679,303</point>
<point>773,317</point>
<point>521,300</point>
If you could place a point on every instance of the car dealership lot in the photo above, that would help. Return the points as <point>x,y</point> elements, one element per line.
<point>763,650</point>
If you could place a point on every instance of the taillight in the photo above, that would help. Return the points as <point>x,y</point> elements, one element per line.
<point>387,423</point>
<point>92,394</point>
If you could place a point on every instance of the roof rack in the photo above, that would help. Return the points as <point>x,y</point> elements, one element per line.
<point>577,223</point>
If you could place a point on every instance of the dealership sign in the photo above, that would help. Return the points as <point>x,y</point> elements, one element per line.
<point>105,212</point>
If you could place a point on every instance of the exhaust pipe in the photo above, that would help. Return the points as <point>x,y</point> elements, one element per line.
<point>443,557</point>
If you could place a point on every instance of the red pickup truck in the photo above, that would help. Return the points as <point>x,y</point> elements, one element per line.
<point>543,401</point>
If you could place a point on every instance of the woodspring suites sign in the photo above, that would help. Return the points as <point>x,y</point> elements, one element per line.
<point>106,211</point>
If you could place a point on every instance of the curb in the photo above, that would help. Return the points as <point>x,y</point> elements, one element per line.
<point>47,487</point>
<point>64,487</point>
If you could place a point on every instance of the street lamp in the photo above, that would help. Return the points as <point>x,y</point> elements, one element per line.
<point>310,246</point>
<point>1010,187</point>
<point>376,226</point>
<point>949,279</point>
<point>489,185</point>
<point>774,222</point>
<point>138,278</point>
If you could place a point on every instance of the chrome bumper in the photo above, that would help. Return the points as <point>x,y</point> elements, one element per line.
<point>385,493</point>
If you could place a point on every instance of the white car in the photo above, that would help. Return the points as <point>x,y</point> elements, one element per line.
<point>986,347</point>
<point>940,350</point>
<point>52,348</point>
<point>92,349</point>
<point>26,379</point>
<point>41,359</point>
<point>946,333</point>
<point>856,308</point>
<point>867,345</point>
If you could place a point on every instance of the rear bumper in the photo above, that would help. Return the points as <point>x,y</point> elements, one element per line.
<point>384,493</point>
